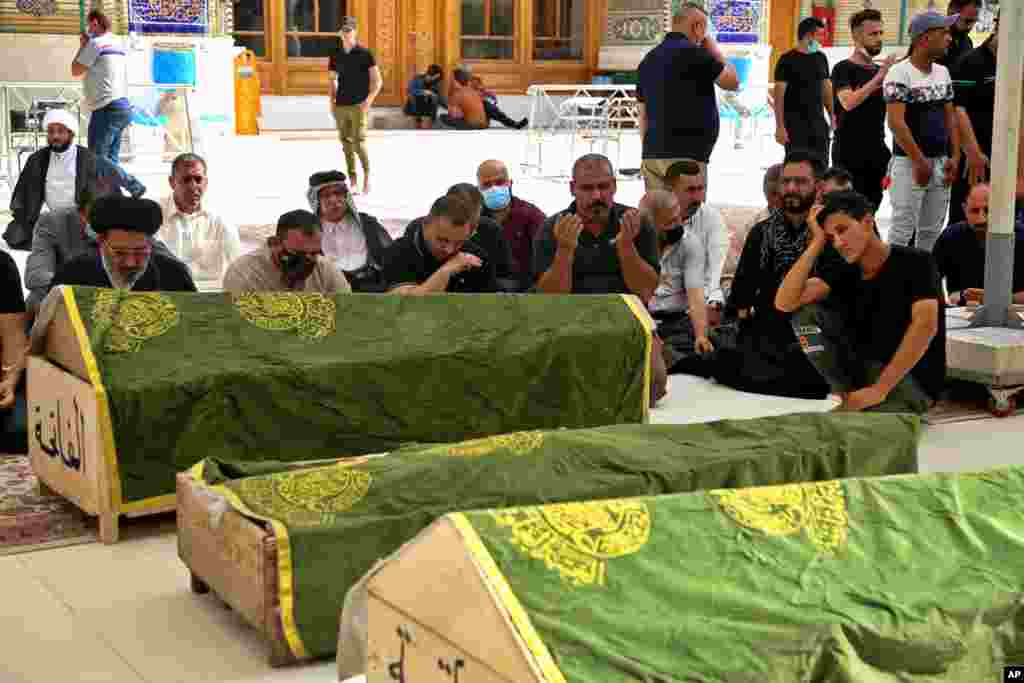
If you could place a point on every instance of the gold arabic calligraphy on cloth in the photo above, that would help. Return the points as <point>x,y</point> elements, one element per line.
<point>307,498</point>
<point>309,314</point>
<point>133,317</point>
<point>817,509</point>
<point>518,443</point>
<point>578,539</point>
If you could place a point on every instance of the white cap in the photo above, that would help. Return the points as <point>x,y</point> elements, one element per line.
<point>63,117</point>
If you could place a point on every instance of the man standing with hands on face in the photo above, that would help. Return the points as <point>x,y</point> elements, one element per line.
<point>355,82</point>
<point>803,94</point>
<point>859,144</point>
<point>919,103</point>
<point>684,68</point>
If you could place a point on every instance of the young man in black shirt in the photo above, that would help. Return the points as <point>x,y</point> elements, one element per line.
<point>974,85</point>
<point>355,81</point>
<point>880,338</point>
<point>803,94</point>
<point>859,144</point>
<point>439,256</point>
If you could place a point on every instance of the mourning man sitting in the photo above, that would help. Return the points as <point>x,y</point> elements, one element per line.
<point>876,334</point>
<point>439,256</point>
<point>705,237</point>
<point>597,246</point>
<point>353,241</point>
<point>766,357</point>
<point>62,236</point>
<point>126,258</point>
<point>678,304</point>
<point>198,236</point>
<point>13,345</point>
<point>520,220</point>
<point>960,253</point>
<point>589,248</point>
<point>292,260</point>
<point>57,174</point>
<point>484,232</point>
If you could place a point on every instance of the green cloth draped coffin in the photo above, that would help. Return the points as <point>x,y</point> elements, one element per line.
<point>290,376</point>
<point>335,522</point>
<point>914,579</point>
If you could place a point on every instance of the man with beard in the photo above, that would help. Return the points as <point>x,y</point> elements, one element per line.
<point>880,337</point>
<point>56,176</point>
<point>705,239</point>
<point>291,261</point>
<point>60,237</point>
<point>919,104</point>
<point>353,241</point>
<point>678,305</point>
<point>439,256</point>
<point>200,238</point>
<point>520,220</point>
<point>766,357</point>
<point>859,145</point>
<point>974,80</point>
<point>966,12</point>
<point>126,258</point>
<point>596,246</point>
<point>960,253</point>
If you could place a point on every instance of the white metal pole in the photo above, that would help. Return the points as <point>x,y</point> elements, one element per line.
<point>999,246</point>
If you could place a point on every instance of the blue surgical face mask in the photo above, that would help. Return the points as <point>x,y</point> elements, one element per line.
<point>498,197</point>
<point>813,47</point>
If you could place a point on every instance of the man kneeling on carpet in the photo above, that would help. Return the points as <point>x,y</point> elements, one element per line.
<point>876,333</point>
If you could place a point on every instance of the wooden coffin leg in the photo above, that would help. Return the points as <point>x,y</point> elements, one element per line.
<point>108,527</point>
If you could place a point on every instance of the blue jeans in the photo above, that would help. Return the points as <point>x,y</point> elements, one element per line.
<point>105,128</point>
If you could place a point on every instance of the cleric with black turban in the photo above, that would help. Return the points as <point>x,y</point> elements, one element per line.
<point>125,260</point>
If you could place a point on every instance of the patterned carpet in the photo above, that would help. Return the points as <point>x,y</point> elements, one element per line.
<point>31,522</point>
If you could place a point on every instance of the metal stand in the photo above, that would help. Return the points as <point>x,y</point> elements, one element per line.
<point>991,350</point>
<point>596,113</point>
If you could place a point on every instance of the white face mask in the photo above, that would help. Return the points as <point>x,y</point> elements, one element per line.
<point>813,46</point>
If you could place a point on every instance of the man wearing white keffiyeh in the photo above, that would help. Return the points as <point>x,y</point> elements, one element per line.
<point>766,357</point>
<point>354,242</point>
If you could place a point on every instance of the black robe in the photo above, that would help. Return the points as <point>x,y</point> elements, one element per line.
<point>164,274</point>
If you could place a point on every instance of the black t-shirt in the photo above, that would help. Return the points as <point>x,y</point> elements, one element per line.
<point>489,235</point>
<point>861,131</point>
<point>408,261</point>
<point>676,83</point>
<point>974,85</point>
<point>353,69</point>
<point>596,268</point>
<point>960,44</point>
<point>12,298</point>
<point>960,258</point>
<point>804,109</point>
<point>879,311</point>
